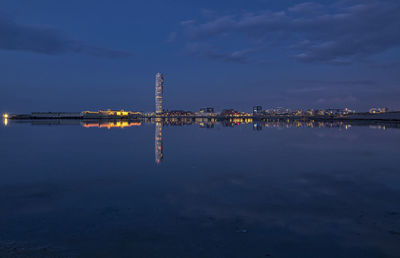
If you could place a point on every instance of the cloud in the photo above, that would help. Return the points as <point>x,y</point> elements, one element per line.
<point>340,33</point>
<point>307,90</point>
<point>307,7</point>
<point>340,82</point>
<point>238,56</point>
<point>349,99</point>
<point>385,65</point>
<point>46,40</point>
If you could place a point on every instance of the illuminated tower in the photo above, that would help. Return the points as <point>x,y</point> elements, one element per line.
<point>159,93</point>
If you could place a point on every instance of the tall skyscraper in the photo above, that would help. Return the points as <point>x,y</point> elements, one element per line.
<point>159,93</point>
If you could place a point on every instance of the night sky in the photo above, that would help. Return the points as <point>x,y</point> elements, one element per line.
<point>87,55</point>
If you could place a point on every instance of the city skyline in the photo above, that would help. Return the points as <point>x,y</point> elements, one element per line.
<point>160,110</point>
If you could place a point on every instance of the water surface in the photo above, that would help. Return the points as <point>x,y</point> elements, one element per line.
<point>230,189</point>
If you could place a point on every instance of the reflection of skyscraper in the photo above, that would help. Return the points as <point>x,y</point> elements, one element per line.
<point>158,144</point>
<point>159,92</point>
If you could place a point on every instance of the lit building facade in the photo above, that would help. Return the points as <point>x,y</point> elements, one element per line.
<point>207,110</point>
<point>159,93</point>
<point>257,110</point>
<point>378,110</point>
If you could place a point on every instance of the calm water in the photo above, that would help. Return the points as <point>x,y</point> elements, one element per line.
<point>200,190</point>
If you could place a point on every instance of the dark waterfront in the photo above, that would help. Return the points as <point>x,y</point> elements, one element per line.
<point>199,189</point>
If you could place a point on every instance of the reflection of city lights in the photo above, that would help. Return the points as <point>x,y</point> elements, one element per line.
<point>5,121</point>
<point>109,125</point>
<point>159,154</point>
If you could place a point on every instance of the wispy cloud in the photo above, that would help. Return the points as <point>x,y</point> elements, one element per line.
<point>344,100</point>
<point>307,90</point>
<point>46,40</point>
<point>334,86</point>
<point>385,64</point>
<point>340,33</point>
<point>238,56</point>
<point>339,82</point>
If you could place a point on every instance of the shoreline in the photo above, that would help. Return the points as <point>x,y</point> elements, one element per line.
<point>387,117</point>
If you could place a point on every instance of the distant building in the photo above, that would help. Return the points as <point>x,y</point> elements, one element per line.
<point>280,111</point>
<point>332,111</point>
<point>299,113</point>
<point>328,112</point>
<point>228,112</point>
<point>178,113</point>
<point>310,112</point>
<point>233,113</point>
<point>56,115</point>
<point>207,110</point>
<point>347,111</point>
<point>110,114</point>
<point>257,110</point>
<point>159,93</point>
<point>378,110</point>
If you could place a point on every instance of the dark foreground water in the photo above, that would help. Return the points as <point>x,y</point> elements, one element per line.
<point>158,190</point>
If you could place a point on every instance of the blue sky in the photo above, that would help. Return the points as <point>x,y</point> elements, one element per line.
<point>79,55</point>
